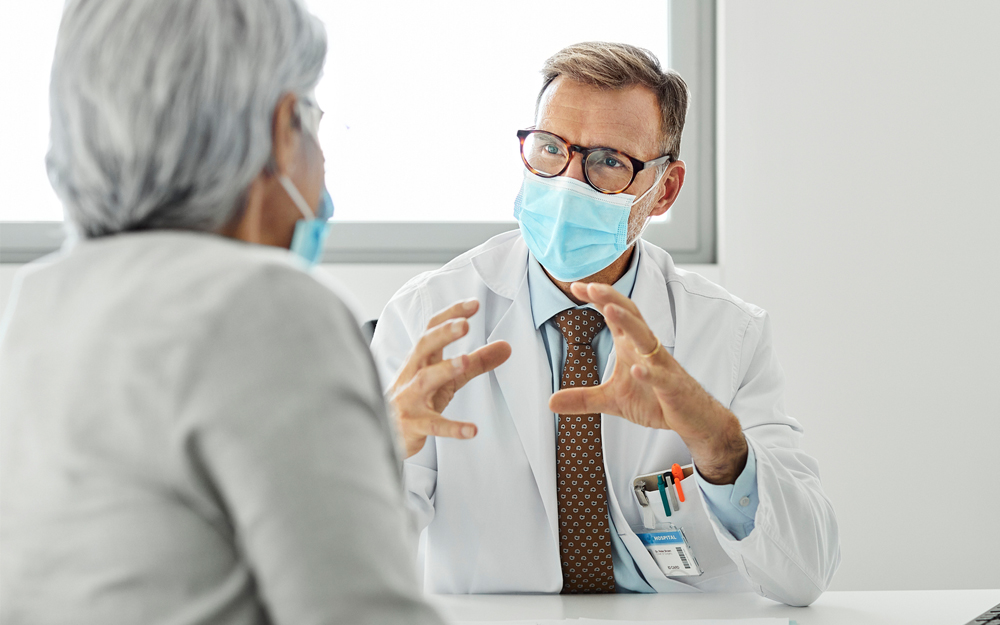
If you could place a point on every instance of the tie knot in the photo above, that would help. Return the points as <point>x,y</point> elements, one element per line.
<point>579,326</point>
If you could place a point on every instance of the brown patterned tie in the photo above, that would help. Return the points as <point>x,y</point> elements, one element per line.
<point>584,535</point>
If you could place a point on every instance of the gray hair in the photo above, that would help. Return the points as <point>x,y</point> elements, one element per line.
<point>618,66</point>
<point>162,110</point>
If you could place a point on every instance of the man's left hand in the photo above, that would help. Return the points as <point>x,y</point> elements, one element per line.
<point>650,388</point>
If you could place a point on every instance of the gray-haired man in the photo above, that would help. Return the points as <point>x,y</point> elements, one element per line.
<point>622,365</point>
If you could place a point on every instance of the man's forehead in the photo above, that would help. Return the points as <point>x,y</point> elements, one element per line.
<point>625,119</point>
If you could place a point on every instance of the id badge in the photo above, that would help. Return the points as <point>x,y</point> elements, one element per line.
<point>671,551</point>
<point>663,518</point>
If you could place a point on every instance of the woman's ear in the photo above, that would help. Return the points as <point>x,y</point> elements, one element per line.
<point>672,182</point>
<point>285,135</point>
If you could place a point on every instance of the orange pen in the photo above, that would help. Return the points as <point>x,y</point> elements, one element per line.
<point>678,476</point>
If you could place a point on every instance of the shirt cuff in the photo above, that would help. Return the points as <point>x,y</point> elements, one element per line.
<point>735,505</point>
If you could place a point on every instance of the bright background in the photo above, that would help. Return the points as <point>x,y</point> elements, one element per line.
<point>859,205</point>
<point>401,78</point>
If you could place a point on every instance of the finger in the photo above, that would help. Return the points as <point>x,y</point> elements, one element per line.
<point>579,290</point>
<point>429,379</point>
<point>634,328</point>
<point>654,376</point>
<point>601,295</point>
<point>486,358</point>
<point>580,401</point>
<point>458,310</point>
<point>658,378</point>
<point>429,348</point>
<point>431,351</point>
<point>616,330</point>
<point>433,424</point>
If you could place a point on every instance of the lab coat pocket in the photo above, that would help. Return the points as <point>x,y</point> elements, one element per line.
<point>692,518</point>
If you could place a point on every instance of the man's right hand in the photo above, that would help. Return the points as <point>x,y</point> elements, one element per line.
<point>427,383</point>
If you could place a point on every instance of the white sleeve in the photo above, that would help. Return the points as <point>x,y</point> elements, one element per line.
<point>794,548</point>
<point>286,423</point>
<point>399,327</point>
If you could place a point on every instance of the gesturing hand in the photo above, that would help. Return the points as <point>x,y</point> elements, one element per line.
<point>650,388</point>
<point>427,383</point>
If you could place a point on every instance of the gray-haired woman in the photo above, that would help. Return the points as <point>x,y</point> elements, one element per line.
<point>192,428</point>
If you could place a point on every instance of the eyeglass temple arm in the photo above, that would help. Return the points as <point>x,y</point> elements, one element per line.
<point>657,161</point>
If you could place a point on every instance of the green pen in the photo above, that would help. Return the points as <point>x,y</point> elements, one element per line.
<point>663,494</point>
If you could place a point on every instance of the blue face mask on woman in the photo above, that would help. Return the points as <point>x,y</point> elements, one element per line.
<point>573,230</point>
<point>311,232</point>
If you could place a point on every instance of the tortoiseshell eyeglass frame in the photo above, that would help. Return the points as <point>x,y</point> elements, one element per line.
<point>637,165</point>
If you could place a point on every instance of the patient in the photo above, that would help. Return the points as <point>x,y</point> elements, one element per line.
<point>192,427</point>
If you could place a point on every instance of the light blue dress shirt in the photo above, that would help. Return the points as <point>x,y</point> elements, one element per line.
<point>735,505</point>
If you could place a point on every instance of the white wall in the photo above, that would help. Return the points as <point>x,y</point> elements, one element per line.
<point>370,285</point>
<point>859,205</point>
<point>861,209</point>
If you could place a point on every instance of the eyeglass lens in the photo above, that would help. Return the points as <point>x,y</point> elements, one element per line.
<point>547,154</point>
<point>311,115</point>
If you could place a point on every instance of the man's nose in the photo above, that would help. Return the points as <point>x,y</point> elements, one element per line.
<point>575,169</point>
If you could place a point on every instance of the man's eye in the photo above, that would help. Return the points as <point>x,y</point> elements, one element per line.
<point>612,162</point>
<point>551,149</point>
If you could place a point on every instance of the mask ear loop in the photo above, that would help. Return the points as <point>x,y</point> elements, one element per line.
<point>649,218</point>
<point>297,198</point>
<point>288,185</point>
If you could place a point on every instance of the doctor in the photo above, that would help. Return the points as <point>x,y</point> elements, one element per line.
<point>687,373</point>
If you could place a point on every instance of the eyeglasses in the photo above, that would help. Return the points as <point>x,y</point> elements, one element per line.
<point>607,170</point>
<point>310,113</point>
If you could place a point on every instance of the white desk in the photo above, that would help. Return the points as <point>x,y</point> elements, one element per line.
<point>911,607</point>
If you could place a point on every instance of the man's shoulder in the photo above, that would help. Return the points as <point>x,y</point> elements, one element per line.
<point>464,272</point>
<point>689,285</point>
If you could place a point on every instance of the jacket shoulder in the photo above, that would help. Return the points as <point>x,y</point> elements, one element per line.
<point>693,285</point>
<point>458,273</point>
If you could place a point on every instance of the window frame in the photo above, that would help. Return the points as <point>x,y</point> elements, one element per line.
<point>690,236</point>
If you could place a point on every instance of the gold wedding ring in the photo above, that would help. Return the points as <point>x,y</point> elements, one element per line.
<point>655,351</point>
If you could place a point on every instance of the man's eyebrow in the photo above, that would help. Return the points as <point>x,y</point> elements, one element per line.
<point>626,147</point>
<point>616,144</point>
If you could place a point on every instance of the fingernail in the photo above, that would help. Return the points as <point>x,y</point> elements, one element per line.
<point>456,327</point>
<point>468,431</point>
<point>469,304</point>
<point>457,364</point>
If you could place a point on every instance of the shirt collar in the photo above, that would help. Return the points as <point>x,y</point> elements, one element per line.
<point>547,300</point>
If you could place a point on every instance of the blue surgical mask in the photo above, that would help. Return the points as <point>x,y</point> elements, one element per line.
<point>310,232</point>
<point>572,229</point>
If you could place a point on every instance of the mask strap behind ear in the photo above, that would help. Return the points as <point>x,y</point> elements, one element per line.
<point>296,196</point>
<point>649,218</point>
<point>656,183</point>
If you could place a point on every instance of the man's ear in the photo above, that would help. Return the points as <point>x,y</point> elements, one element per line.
<point>285,135</point>
<point>670,184</point>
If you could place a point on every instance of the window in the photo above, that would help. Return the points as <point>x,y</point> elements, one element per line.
<point>400,79</point>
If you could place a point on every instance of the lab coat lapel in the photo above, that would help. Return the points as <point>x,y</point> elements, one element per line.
<point>525,380</point>
<point>650,295</point>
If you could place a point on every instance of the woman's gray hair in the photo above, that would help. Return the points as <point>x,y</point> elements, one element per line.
<point>162,109</point>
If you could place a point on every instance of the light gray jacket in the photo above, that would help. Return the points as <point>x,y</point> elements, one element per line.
<point>192,431</point>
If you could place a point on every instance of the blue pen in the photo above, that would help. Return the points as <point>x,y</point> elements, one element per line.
<point>663,494</point>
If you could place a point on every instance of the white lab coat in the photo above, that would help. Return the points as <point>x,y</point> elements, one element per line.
<point>489,504</point>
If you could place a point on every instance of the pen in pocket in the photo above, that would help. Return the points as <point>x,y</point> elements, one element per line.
<point>663,494</point>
